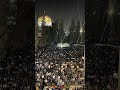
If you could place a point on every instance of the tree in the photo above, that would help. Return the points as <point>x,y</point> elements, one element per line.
<point>61,33</point>
<point>43,21</point>
<point>77,33</point>
<point>54,31</point>
<point>71,36</point>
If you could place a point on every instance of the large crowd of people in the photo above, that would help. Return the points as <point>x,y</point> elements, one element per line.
<point>60,68</point>
<point>101,68</point>
<point>17,70</point>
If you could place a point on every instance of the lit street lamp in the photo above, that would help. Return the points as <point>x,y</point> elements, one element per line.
<point>81,31</point>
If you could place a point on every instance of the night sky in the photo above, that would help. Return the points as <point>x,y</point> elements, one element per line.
<point>61,9</point>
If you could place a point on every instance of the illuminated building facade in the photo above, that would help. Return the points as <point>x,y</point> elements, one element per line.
<point>43,31</point>
<point>46,19</point>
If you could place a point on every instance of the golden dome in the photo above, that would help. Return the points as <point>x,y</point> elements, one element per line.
<point>48,21</point>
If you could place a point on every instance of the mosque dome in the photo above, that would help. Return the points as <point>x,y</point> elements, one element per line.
<point>46,19</point>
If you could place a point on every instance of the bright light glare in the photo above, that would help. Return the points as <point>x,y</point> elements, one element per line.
<point>81,30</point>
<point>62,45</point>
<point>111,12</point>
